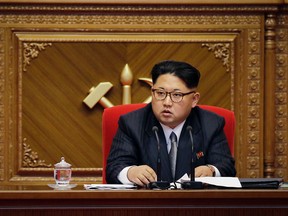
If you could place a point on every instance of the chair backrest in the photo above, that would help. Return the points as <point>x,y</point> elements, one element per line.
<point>230,122</point>
<point>111,116</point>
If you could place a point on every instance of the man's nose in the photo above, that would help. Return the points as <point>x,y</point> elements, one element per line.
<point>167,100</point>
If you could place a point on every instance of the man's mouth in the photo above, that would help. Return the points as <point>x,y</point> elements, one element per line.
<point>166,112</point>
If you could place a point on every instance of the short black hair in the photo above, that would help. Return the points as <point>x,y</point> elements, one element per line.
<point>186,72</point>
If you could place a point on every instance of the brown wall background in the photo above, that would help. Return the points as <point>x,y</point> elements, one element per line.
<point>52,54</point>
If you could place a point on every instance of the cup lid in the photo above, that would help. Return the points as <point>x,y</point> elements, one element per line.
<point>62,163</point>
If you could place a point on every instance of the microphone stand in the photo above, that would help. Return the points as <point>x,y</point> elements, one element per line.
<point>192,184</point>
<point>158,184</point>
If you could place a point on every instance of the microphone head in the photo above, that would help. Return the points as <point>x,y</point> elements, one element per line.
<point>189,128</point>
<point>155,128</point>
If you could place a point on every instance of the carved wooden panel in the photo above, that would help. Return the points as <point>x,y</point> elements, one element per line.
<point>56,76</point>
<point>281,98</point>
<point>49,61</point>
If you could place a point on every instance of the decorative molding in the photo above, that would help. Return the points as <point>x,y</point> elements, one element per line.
<point>1,168</point>
<point>31,158</point>
<point>31,51</point>
<point>2,110</point>
<point>269,92</point>
<point>254,102</point>
<point>221,51</point>
<point>30,179</point>
<point>135,8</point>
<point>126,21</point>
<point>281,139</point>
<point>282,19</point>
<point>47,37</point>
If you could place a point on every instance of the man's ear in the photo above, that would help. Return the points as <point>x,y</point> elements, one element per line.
<point>196,97</point>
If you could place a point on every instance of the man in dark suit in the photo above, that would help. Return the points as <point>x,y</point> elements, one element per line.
<point>134,152</point>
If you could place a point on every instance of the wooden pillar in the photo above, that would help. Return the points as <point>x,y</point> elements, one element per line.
<point>269,100</point>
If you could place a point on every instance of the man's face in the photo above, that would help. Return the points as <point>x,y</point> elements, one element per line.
<point>168,112</point>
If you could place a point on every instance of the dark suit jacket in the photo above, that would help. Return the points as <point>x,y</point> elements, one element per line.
<point>135,144</point>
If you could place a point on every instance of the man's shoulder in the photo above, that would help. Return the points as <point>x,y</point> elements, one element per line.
<point>207,114</point>
<point>138,113</point>
<point>138,119</point>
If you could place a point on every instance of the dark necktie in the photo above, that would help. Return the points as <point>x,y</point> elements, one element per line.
<point>173,153</point>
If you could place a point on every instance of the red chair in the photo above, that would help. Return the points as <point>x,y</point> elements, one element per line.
<point>111,116</point>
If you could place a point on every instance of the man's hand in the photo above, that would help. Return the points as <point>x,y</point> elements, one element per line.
<point>203,171</point>
<point>141,175</point>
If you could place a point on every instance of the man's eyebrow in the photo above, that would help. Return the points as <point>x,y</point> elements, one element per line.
<point>162,88</point>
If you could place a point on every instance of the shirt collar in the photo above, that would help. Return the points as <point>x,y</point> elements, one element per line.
<point>177,130</point>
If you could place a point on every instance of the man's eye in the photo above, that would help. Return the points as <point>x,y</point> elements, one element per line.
<point>177,95</point>
<point>160,93</point>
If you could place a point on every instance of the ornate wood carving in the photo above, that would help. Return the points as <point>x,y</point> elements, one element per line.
<point>110,8</point>
<point>281,98</point>
<point>31,158</point>
<point>126,22</point>
<point>221,51</point>
<point>2,104</point>
<point>269,113</point>
<point>255,122</point>
<point>31,51</point>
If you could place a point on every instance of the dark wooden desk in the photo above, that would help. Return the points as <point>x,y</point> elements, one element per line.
<point>41,200</point>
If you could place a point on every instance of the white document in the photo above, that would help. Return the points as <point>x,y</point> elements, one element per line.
<point>108,186</point>
<point>232,182</point>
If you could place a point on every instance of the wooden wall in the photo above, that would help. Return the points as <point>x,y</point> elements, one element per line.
<point>52,52</point>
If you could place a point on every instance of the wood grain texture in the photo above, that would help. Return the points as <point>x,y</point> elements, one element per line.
<point>55,121</point>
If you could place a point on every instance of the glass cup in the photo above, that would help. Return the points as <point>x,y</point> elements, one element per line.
<point>62,173</point>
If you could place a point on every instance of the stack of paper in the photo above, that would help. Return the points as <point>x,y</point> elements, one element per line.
<point>108,186</point>
<point>231,182</point>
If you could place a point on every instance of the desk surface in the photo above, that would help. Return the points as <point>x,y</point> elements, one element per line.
<point>45,192</point>
<point>36,198</point>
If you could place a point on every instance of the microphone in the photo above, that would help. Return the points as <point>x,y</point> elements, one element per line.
<point>192,184</point>
<point>158,184</point>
